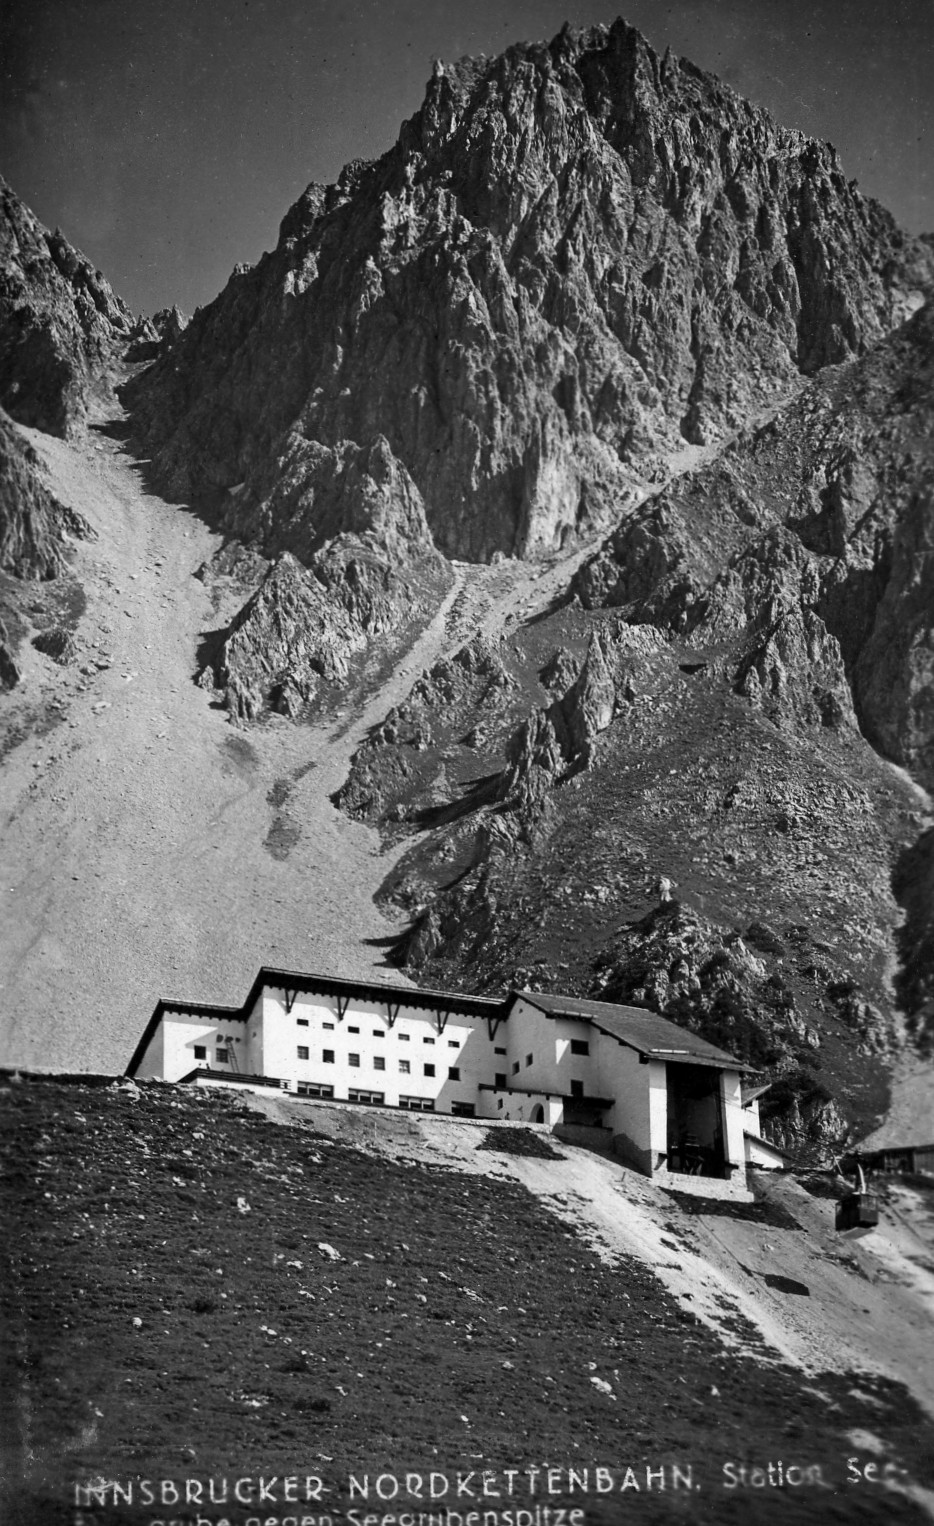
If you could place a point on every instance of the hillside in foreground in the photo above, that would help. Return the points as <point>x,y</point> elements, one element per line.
<point>207,1286</point>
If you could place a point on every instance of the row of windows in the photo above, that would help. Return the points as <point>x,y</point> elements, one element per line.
<point>380,1033</point>
<point>379,1063</point>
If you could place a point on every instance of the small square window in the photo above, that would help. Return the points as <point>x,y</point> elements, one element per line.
<point>379,1062</point>
<point>327,1056</point>
<point>528,1059</point>
<point>404,1067</point>
<point>303,1051</point>
<point>580,1046</point>
<point>327,1025</point>
<point>201,1052</point>
<point>354,1061</point>
<point>429,1070</point>
<point>454,1073</point>
<point>302,1022</point>
<point>500,1078</point>
<point>223,1057</point>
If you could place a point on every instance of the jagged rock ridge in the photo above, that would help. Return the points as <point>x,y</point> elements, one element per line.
<point>576,258</point>
<point>62,329</point>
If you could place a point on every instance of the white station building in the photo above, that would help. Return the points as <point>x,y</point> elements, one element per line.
<point>659,1097</point>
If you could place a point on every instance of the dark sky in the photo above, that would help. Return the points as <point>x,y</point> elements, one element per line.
<point>168,137</point>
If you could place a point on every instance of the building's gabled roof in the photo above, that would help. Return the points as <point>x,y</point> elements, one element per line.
<point>375,990</point>
<point>655,1037</point>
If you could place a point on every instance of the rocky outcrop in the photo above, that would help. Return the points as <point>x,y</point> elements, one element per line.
<point>814,538</point>
<point>710,712</point>
<point>10,674</point>
<point>577,257</point>
<point>35,529</point>
<point>61,326</point>
<point>914,886</point>
<point>355,519</point>
<point>556,743</point>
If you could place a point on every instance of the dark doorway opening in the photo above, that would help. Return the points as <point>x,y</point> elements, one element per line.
<point>695,1121</point>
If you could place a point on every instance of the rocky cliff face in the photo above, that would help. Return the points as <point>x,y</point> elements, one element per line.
<point>576,258</point>
<point>61,326</point>
<point>712,703</point>
<point>371,575</point>
<point>35,529</point>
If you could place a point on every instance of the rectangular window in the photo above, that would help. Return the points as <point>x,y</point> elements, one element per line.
<point>500,1078</point>
<point>379,1033</point>
<point>223,1056</point>
<point>374,1098</point>
<point>454,1073</point>
<point>379,1062</point>
<point>499,1050</point>
<point>354,1061</point>
<point>404,1038</point>
<point>353,1030</point>
<point>577,1088</point>
<point>327,1025</point>
<point>303,1051</point>
<point>580,1046</point>
<point>429,1070</point>
<point>417,1104</point>
<point>528,1059</point>
<point>427,1041</point>
<point>201,1052</point>
<point>454,1043</point>
<point>404,1067</point>
<point>463,1110</point>
<point>515,1067</point>
<point>314,1089</point>
<point>327,1055</point>
<point>302,1022</point>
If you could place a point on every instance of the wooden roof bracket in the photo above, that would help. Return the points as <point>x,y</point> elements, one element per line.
<point>393,1009</point>
<point>291,995</point>
<point>343,1002</point>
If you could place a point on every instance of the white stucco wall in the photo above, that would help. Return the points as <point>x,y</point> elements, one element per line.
<point>548,1041</point>
<point>758,1152</point>
<point>152,1065</point>
<point>735,1118</point>
<point>639,1108</point>
<point>417,1037</point>
<point>182,1031</point>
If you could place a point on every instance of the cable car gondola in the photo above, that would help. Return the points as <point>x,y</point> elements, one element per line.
<point>857,1212</point>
